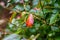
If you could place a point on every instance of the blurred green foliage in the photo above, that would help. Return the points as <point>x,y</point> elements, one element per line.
<point>46,19</point>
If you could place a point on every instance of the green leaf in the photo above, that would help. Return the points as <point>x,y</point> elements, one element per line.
<point>32,30</point>
<point>56,5</point>
<point>53,18</point>
<point>53,28</point>
<point>35,2</point>
<point>50,1</point>
<point>33,11</point>
<point>41,14</point>
<point>18,8</point>
<point>14,1</point>
<point>57,38</point>
<point>12,37</point>
<point>26,0</point>
<point>27,7</point>
<point>51,34</point>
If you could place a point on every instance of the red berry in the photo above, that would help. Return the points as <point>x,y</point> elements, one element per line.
<point>30,21</point>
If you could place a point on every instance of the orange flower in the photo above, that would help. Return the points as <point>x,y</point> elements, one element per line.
<point>30,21</point>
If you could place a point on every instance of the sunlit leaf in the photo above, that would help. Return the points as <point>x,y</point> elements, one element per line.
<point>12,37</point>
<point>35,2</point>
<point>53,18</point>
